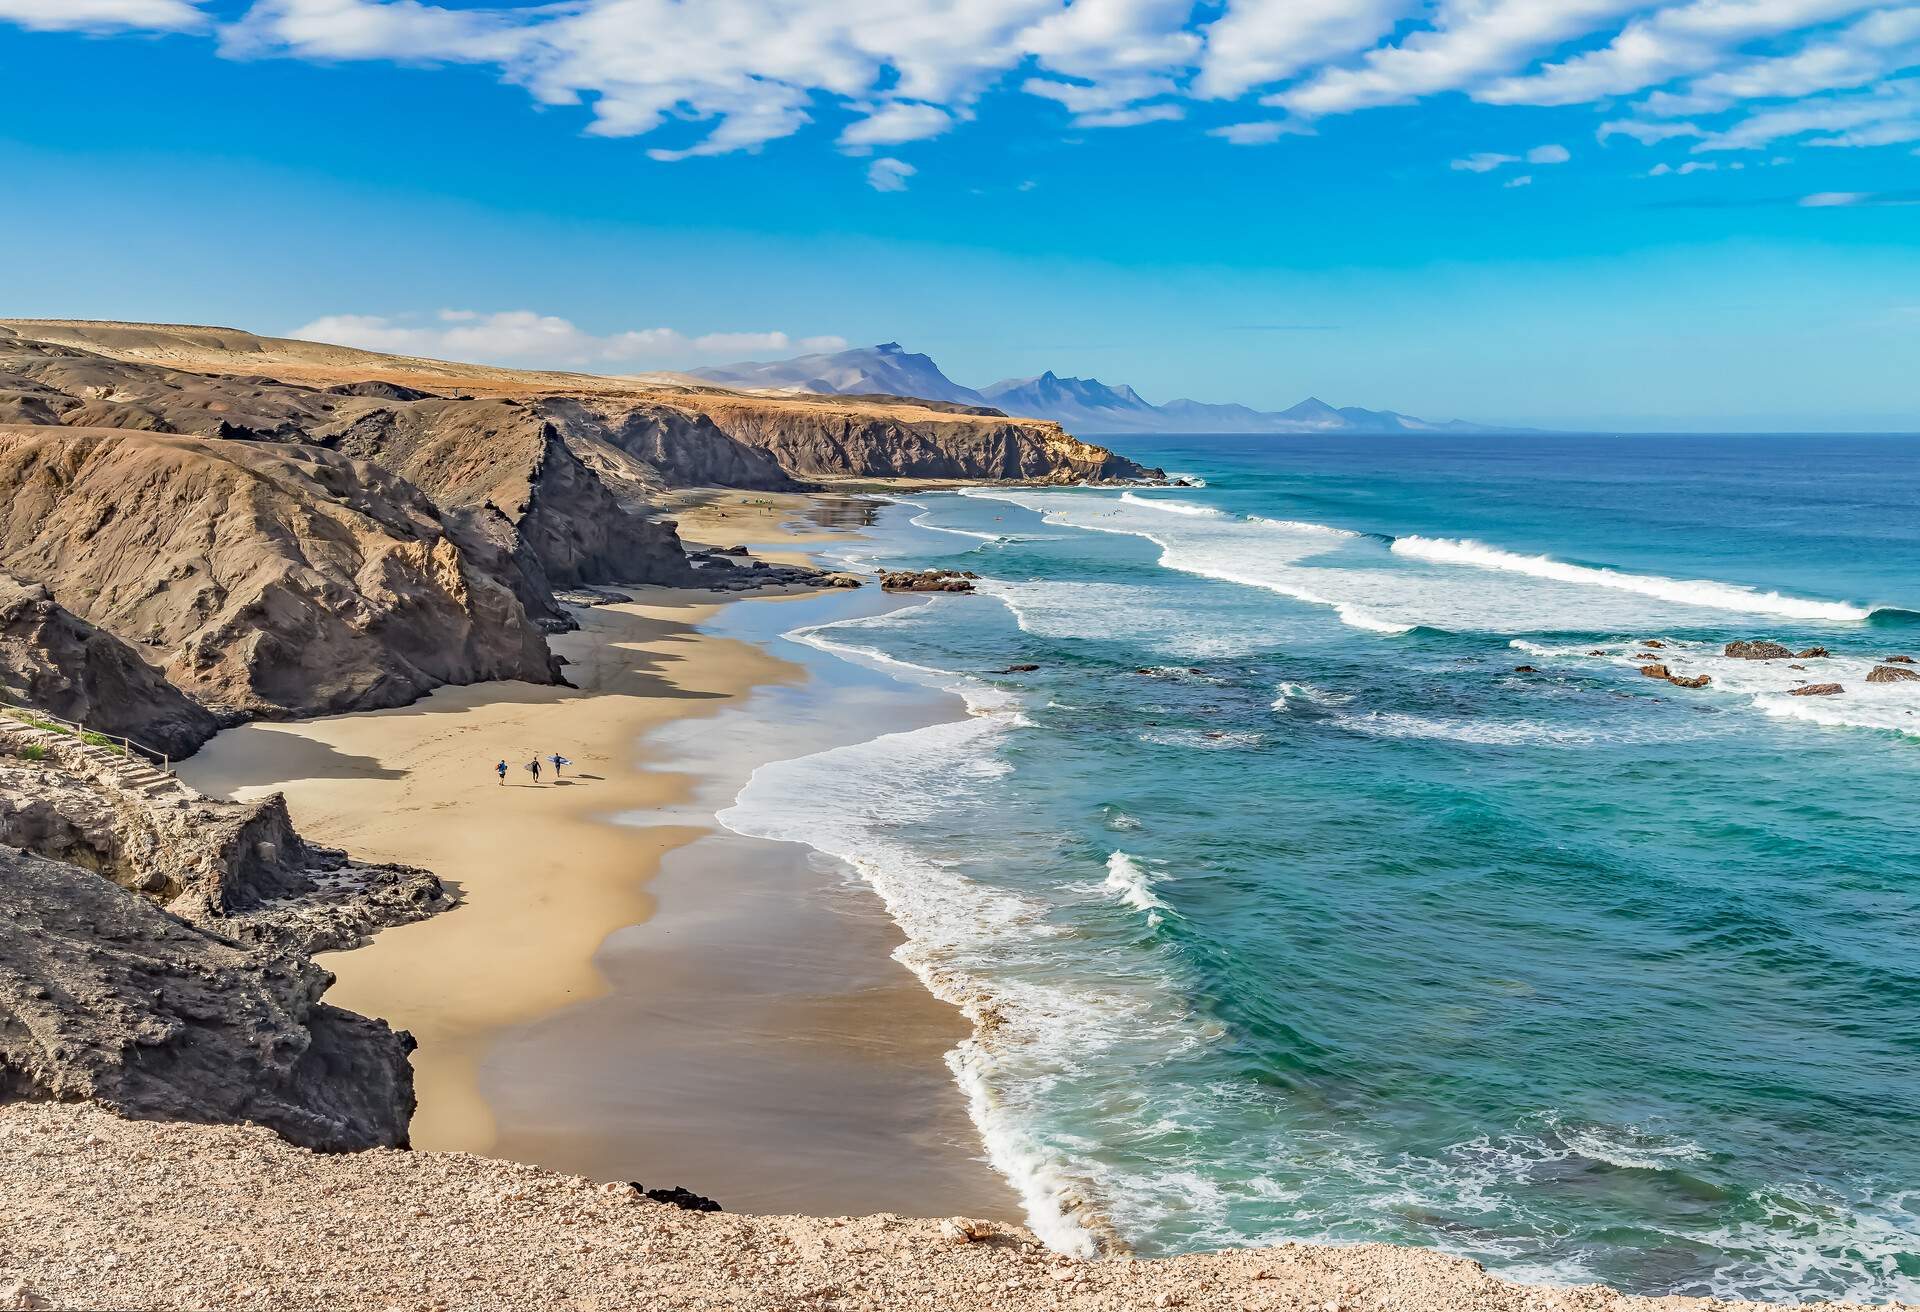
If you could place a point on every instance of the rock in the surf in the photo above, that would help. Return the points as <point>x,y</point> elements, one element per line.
<point>1812,654</point>
<point>1015,669</point>
<point>1758,649</point>
<point>1694,681</point>
<point>1525,669</point>
<point>1656,671</point>
<point>925,580</point>
<point>1892,674</point>
<point>1900,660</point>
<point>1816,690</point>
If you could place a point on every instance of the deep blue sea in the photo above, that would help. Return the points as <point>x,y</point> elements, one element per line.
<point>1285,908</point>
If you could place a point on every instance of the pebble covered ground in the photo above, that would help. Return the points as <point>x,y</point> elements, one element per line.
<point>98,1212</point>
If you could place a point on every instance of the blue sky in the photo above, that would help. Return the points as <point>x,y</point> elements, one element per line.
<point>1573,213</point>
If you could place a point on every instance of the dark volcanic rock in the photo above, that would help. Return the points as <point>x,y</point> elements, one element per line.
<point>1015,669</point>
<point>925,580</point>
<point>106,998</point>
<point>1758,649</point>
<point>679,1196</point>
<point>1891,674</point>
<point>1525,669</point>
<point>1816,690</point>
<point>54,661</point>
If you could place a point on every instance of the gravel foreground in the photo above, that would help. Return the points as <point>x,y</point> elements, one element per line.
<point>97,1212</point>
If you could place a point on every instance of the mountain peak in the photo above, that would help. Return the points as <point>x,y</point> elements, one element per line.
<point>1085,404</point>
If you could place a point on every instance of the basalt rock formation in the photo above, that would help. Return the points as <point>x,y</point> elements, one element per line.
<point>274,580</point>
<point>107,998</point>
<point>54,661</point>
<point>1758,649</point>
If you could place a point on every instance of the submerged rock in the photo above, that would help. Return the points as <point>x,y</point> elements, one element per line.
<point>1900,660</point>
<point>1015,669</point>
<point>1525,669</point>
<point>1758,649</point>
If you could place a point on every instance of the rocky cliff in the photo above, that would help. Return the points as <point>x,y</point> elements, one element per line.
<point>274,580</point>
<point>816,437</point>
<point>287,528</point>
<point>104,997</point>
<point>54,661</point>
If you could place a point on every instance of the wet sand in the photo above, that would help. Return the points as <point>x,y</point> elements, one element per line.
<point>627,992</point>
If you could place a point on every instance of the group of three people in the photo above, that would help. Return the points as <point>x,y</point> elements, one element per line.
<point>532,767</point>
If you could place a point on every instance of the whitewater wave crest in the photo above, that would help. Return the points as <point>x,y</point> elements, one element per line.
<point>1686,592</point>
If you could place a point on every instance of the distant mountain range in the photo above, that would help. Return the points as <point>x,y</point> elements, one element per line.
<point>1083,404</point>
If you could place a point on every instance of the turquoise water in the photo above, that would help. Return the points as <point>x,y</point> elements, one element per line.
<point>1285,908</point>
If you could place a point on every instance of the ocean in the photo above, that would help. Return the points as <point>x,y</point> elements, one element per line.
<point>1286,907</point>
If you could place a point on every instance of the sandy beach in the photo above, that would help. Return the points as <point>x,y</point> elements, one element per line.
<point>756,1041</point>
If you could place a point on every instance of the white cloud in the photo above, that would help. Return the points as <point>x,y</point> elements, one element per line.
<point>1877,134</point>
<point>527,338</point>
<point>891,124</point>
<point>102,15</point>
<point>1893,102</point>
<point>1261,133</point>
<point>1524,180</point>
<point>1469,42</point>
<point>1657,47</point>
<point>1484,162</point>
<point>1831,199</point>
<point>1647,134</point>
<point>711,77</point>
<point>1258,42</point>
<point>888,174</point>
<point>1127,118</point>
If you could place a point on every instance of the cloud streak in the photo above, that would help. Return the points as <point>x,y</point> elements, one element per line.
<point>525,337</point>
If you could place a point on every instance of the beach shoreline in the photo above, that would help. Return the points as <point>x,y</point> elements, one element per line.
<point>558,1023</point>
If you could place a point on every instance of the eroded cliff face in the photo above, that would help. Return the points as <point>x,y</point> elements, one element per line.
<point>285,528</point>
<point>105,997</point>
<point>274,580</point>
<point>821,438</point>
<point>54,661</point>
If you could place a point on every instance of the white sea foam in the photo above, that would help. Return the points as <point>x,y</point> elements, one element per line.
<point>1173,507</point>
<point>1290,692</point>
<point>982,948</point>
<point>1433,582</point>
<point>1216,740</point>
<point>1129,880</point>
<point>1687,592</point>
<point>1764,685</point>
<point>1494,733</point>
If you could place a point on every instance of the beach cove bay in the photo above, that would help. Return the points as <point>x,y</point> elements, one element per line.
<point>1315,860</point>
